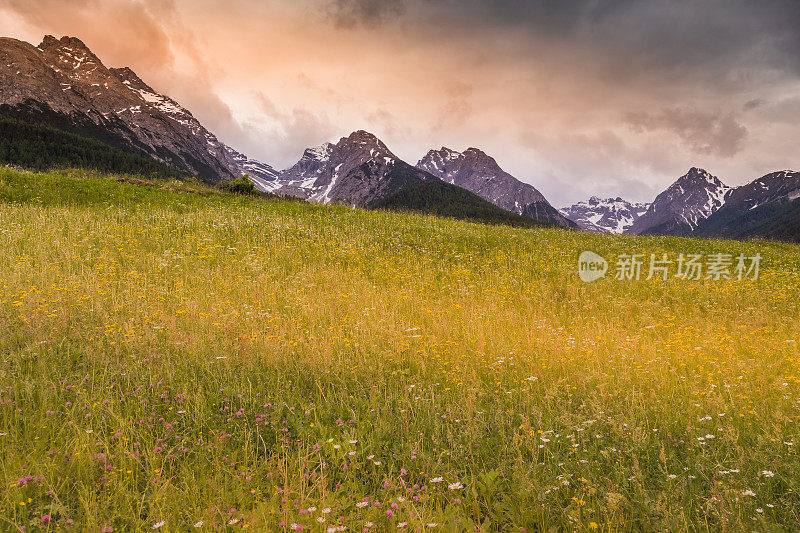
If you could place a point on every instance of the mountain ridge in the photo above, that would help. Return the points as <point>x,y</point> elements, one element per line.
<point>357,170</point>
<point>755,205</point>
<point>62,81</point>
<point>480,173</point>
<point>683,205</point>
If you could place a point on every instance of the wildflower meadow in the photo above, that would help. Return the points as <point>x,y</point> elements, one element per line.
<point>176,358</point>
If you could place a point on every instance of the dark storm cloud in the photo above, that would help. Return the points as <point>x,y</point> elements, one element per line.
<point>666,34</point>
<point>369,13</point>
<point>704,132</point>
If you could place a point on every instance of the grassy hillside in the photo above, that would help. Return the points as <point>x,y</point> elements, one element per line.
<point>441,199</point>
<point>180,356</point>
<point>43,147</point>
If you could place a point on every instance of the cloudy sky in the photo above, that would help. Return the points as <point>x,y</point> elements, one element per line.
<point>577,97</point>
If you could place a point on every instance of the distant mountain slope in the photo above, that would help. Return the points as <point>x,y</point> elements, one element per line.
<point>437,198</point>
<point>682,206</point>
<point>479,173</point>
<point>767,207</point>
<point>62,84</point>
<point>612,215</point>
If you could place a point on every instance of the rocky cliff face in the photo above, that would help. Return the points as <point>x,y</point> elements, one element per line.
<point>62,82</point>
<point>479,173</point>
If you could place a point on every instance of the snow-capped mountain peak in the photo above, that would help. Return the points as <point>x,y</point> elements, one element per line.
<point>163,103</point>
<point>781,186</point>
<point>261,174</point>
<point>605,215</point>
<point>357,170</point>
<point>440,163</point>
<point>678,210</point>
<point>758,206</point>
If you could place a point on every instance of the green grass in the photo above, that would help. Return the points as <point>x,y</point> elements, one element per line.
<point>173,353</point>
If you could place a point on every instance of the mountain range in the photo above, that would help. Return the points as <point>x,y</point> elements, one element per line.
<point>61,85</point>
<point>60,105</point>
<point>611,215</point>
<point>768,207</point>
<point>700,205</point>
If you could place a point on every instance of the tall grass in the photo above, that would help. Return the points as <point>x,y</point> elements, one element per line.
<point>171,354</point>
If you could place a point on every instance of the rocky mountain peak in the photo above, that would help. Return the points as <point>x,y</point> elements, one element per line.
<point>357,170</point>
<point>72,44</point>
<point>360,147</point>
<point>683,205</point>
<point>778,177</point>
<point>69,54</point>
<point>363,138</point>
<point>697,179</point>
<point>478,155</point>
<point>782,185</point>
<point>449,152</point>
<point>127,76</point>
<point>745,212</point>
<point>480,161</point>
<point>698,176</point>
<point>479,173</point>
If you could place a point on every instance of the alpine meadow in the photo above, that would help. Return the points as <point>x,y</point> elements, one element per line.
<point>176,357</point>
<point>424,266</point>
